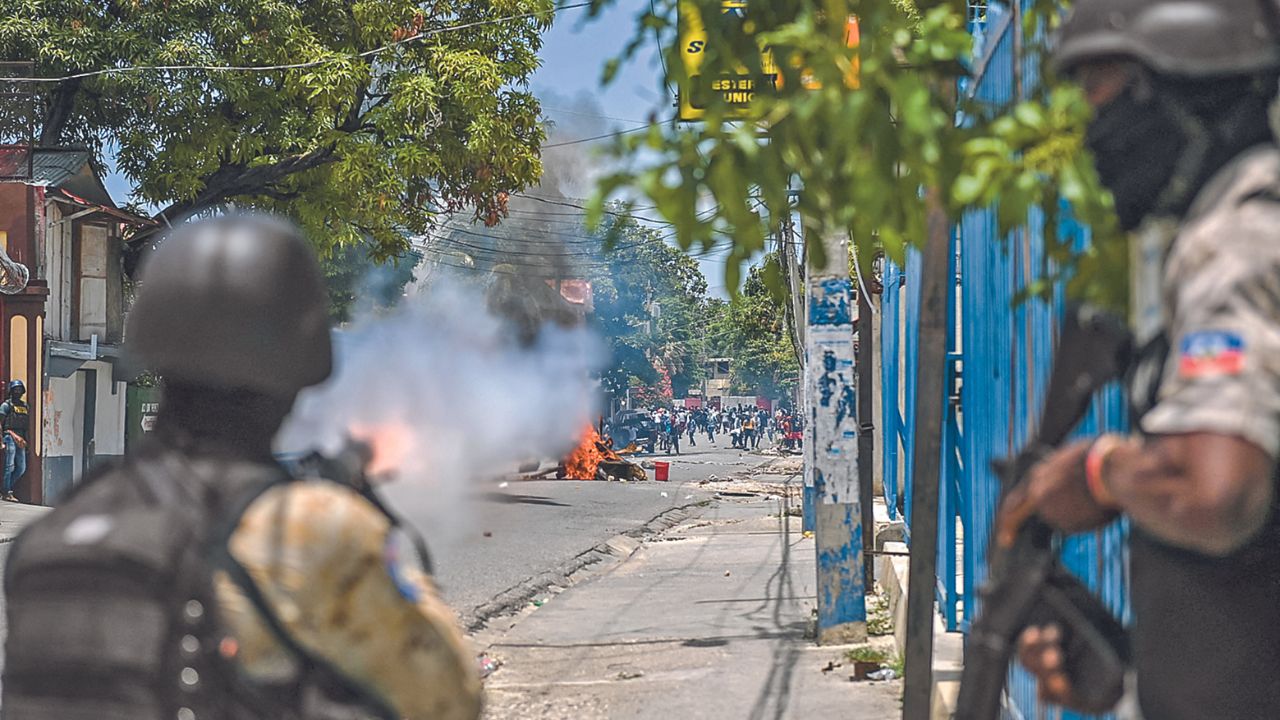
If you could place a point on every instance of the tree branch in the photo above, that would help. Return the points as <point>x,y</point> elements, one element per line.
<point>58,112</point>
<point>231,180</point>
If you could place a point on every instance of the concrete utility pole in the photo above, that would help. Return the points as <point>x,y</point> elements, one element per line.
<point>831,446</point>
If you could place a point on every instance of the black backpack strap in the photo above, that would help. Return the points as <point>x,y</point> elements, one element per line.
<point>318,667</point>
<point>370,493</point>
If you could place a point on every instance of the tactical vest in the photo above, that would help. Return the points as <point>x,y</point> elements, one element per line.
<point>17,419</point>
<point>112,611</point>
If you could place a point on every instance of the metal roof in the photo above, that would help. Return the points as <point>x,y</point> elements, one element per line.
<point>56,167</point>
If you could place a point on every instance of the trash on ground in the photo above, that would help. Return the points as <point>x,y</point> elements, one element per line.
<point>488,666</point>
<point>883,674</point>
<point>629,674</point>
<point>503,484</point>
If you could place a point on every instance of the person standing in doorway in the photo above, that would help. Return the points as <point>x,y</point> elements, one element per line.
<point>15,421</point>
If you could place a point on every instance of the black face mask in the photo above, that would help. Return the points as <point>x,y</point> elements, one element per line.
<point>1136,144</point>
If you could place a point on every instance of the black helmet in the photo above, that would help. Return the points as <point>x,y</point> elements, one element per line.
<point>234,302</point>
<point>1179,38</point>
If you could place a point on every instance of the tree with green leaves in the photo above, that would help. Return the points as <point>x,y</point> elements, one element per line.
<point>751,329</point>
<point>866,131</point>
<point>356,282</point>
<point>650,306</point>
<point>359,119</point>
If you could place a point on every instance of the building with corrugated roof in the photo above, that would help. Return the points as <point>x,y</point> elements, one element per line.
<point>60,333</point>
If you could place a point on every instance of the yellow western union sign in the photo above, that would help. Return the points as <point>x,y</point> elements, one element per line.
<point>735,90</point>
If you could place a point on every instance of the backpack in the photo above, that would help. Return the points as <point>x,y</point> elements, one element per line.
<point>112,609</point>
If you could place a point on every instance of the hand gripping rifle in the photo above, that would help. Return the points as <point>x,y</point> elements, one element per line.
<point>1027,585</point>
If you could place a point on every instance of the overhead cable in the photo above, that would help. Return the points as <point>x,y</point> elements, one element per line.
<point>297,65</point>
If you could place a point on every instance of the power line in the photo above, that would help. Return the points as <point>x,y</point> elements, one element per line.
<point>580,239</point>
<point>624,216</point>
<point>662,53</point>
<point>597,137</point>
<point>595,115</point>
<point>298,65</point>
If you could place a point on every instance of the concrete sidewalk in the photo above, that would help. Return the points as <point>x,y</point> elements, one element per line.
<point>13,518</point>
<point>709,620</point>
<point>16,516</point>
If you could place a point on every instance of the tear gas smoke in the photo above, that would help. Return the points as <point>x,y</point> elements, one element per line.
<point>445,394</point>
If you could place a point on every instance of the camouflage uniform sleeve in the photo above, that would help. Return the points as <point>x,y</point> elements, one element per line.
<point>1222,290</point>
<point>325,561</point>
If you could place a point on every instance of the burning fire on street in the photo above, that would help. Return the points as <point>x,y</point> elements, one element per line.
<point>593,459</point>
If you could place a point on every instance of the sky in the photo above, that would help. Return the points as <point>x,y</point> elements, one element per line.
<point>574,53</point>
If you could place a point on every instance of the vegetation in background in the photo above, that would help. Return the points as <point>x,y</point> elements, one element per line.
<point>866,158</point>
<point>356,280</point>
<point>752,330</point>
<point>650,306</point>
<point>356,148</point>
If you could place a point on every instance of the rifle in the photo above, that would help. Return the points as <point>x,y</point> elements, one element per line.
<point>1027,585</point>
<point>347,467</point>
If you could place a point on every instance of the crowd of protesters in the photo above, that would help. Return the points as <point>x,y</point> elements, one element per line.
<point>745,425</point>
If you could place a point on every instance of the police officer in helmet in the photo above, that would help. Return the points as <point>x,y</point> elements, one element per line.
<point>1181,137</point>
<point>197,579</point>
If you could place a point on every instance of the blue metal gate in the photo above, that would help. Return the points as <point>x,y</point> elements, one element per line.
<point>999,358</point>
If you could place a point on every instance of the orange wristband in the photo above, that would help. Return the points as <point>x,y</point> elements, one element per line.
<point>1094,464</point>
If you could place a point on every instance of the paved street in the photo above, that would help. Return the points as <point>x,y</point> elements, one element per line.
<point>539,526</point>
<point>709,620</point>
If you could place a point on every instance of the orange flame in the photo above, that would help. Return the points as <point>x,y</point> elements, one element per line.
<point>390,443</point>
<point>582,463</point>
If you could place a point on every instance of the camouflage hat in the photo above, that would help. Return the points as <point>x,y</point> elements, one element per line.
<point>1178,38</point>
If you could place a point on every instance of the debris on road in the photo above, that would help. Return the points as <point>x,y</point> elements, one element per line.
<point>883,674</point>
<point>629,674</point>
<point>488,666</point>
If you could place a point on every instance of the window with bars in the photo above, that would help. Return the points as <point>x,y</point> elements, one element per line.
<point>978,12</point>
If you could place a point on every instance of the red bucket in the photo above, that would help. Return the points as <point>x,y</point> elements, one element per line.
<point>661,471</point>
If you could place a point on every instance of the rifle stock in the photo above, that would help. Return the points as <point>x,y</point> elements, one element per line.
<point>1026,584</point>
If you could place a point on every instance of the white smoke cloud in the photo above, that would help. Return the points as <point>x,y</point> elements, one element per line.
<point>442,376</point>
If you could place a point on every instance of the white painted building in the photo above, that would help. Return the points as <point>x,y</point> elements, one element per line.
<point>78,236</point>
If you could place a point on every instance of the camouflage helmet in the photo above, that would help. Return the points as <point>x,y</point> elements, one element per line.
<point>233,302</point>
<point>1177,38</point>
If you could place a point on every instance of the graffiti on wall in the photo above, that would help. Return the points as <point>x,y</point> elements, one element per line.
<point>831,302</point>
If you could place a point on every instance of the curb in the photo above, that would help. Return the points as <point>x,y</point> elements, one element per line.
<point>619,548</point>
<point>948,647</point>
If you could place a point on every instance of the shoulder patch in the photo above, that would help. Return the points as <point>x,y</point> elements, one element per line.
<point>1207,353</point>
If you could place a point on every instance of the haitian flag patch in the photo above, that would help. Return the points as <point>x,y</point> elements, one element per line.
<point>1211,352</point>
